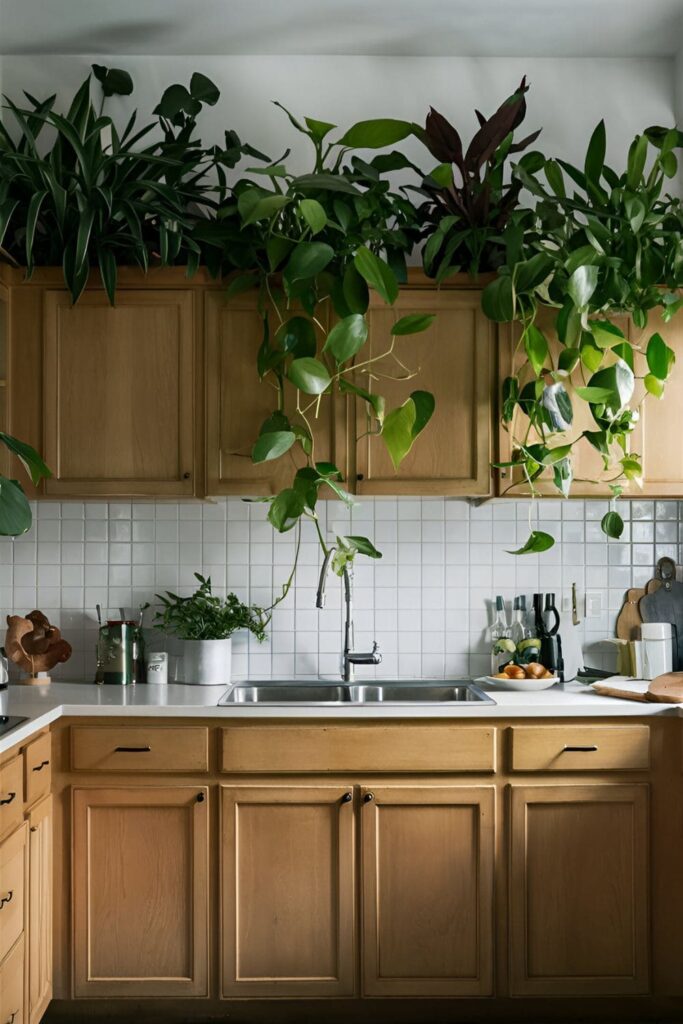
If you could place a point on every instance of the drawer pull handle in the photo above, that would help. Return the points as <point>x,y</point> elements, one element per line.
<point>579,750</point>
<point>8,799</point>
<point>132,750</point>
<point>347,798</point>
<point>200,798</point>
<point>11,1018</point>
<point>368,798</point>
<point>39,767</point>
<point>7,898</point>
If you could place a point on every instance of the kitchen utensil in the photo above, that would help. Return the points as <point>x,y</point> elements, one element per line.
<point>666,605</point>
<point>547,630</point>
<point>665,689</point>
<point>528,685</point>
<point>657,648</point>
<point>629,618</point>
<point>572,651</point>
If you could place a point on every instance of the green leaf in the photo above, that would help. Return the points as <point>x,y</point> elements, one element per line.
<point>536,348</point>
<point>376,402</point>
<point>413,323</point>
<point>637,155</point>
<point>635,211</point>
<point>591,355</point>
<point>272,446</point>
<point>660,358</point>
<point>313,213</point>
<point>286,509</point>
<point>203,89</point>
<point>309,375</point>
<point>623,350</point>
<point>510,396</point>
<point>618,380</point>
<point>15,511</point>
<point>308,259</point>
<point>402,425</point>
<point>442,174</point>
<point>654,385</point>
<point>107,264</point>
<point>318,129</point>
<point>568,359</point>
<point>327,182</point>
<point>631,467</point>
<point>537,542</point>
<point>347,337</point>
<point>605,334</point>
<point>355,290</point>
<point>376,134</point>
<point>29,458</point>
<point>497,300</point>
<point>595,155</point>
<point>297,336</point>
<point>532,272</point>
<point>363,546</point>
<point>266,207</point>
<point>242,283</point>
<point>114,81</point>
<point>613,525</point>
<point>563,475</point>
<point>377,273</point>
<point>594,395</point>
<point>553,173</point>
<point>582,284</point>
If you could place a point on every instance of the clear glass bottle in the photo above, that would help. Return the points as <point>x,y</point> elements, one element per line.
<point>499,631</point>
<point>519,627</point>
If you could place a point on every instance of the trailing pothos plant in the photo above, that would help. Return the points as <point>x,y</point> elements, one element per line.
<point>15,510</point>
<point>316,244</point>
<point>78,191</point>
<point>598,244</point>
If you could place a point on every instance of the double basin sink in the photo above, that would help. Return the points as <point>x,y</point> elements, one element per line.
<point>458,691</point>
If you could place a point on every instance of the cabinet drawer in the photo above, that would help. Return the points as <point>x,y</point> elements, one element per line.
<point>139,748</point>
<point>38,768</point>
<point>580,748</point>
<point>362,748</point>
<point>12,890</point>
<point>11,787</point>
<point>12,987</point>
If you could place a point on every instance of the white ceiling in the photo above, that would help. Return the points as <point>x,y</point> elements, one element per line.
<point>492,28</point>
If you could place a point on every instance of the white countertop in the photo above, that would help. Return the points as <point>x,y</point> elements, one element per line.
<point>42,705</point>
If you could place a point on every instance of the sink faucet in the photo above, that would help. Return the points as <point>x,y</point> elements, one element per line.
<point>350,658</point>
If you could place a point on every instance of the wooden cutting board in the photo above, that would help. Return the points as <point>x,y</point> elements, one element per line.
<point>629,619</point>
<point>665,689</point>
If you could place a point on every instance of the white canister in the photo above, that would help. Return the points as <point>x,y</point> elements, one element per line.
<point>657,640</point>
<point>206,662</point>
<point>156,664</point>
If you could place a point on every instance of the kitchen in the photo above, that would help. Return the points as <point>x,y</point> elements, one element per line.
<point>340,512</point>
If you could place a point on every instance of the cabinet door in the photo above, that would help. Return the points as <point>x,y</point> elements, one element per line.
<point>237,403</point>
<point>427,867</point>
<point>140,891</point>
<point>579,890</point>
<point>118,393</point>
<point>452,359</point>
<point>12,990</point>
<point>40,910</point>
<point>287,859</point>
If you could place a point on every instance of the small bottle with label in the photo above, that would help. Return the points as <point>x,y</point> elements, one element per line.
<point>499,631</point>
<point>519,628</point>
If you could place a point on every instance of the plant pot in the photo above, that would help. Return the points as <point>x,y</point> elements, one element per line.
<point>206,662</point>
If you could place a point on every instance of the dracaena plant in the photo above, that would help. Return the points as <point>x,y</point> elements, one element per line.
<point>468,196</point>
<point>316,243</point>
<point>78,191</point>
<point>599,243</point>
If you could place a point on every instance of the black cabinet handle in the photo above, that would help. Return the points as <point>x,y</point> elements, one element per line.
<point>132,750</point>
<point>578,750</point>
<point>11,1018</point>
<point>200,798</point>
<point>8,800</point>
<point>7,898</point>
<point>39,767</point>
<point>347,798</point>
<point>368,798</point>
<point>187,476</point>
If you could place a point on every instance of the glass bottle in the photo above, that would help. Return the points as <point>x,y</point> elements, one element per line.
<point>499,631</point>
<point>519,628</point>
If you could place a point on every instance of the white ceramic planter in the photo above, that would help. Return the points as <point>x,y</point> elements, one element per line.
<point>206,662</point>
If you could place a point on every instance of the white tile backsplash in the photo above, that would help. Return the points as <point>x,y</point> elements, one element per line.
<point>427,601</point>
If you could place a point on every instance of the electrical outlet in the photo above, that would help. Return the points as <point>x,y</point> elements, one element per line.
<point>593,604</point>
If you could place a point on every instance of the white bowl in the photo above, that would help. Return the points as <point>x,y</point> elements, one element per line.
<point>527,685</point>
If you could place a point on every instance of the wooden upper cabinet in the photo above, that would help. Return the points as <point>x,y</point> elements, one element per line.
<point>118,393</point>
<point>40,910</point>
<point>287,877</point>
<point>427,867</point>
<point>140,891</point>
<point>237,403</point>
<point>579,890</point>
<point>453,360</point>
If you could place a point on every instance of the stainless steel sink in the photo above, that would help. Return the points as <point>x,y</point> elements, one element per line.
<point>286,692</point>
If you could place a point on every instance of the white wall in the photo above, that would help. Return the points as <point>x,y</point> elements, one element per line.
<point>568,96</point>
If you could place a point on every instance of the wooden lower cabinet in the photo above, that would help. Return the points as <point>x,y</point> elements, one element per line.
<point>579,890</point>
<point>40,910</point>
<point>427,870</point>
<point>288,902</point>
<point>12,989</point>
<point>140,891</point>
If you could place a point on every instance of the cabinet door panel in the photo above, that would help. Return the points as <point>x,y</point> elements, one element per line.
<point>140,891</point>
<point>287,890</point>
<point>238,403</point>
<point>427,866</point>
<point>119,393</point>
<point>453,361</point>
<point>40,910</point>
<point>579,890</point>
<point>662,419</point>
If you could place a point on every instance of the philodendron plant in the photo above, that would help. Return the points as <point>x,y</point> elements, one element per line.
<point>598,244</point>
<point>316,244</point>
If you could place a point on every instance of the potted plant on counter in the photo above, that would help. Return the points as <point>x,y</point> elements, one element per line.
<point>205,623</point>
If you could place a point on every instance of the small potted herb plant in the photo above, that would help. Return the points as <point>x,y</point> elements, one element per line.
<point>205,623</point>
